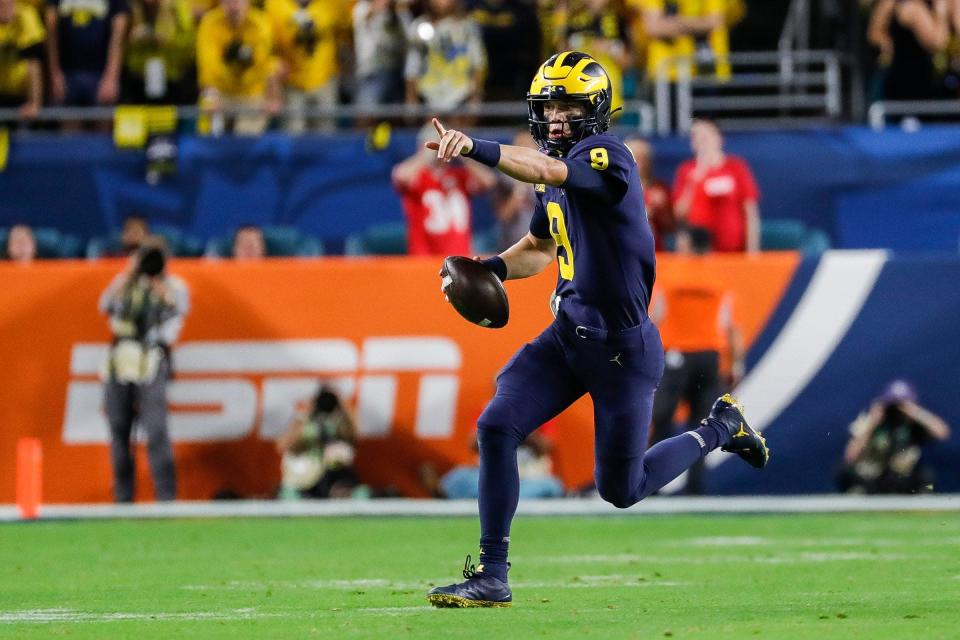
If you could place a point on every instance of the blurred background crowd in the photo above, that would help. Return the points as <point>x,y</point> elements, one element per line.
<point>151,70</point>
<point>251,58</point>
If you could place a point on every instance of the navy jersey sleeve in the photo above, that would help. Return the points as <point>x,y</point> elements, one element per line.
<point>600,165</point>
<point>539,223</point>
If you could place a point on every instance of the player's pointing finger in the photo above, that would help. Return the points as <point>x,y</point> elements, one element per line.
<point>450,151</point>
<point>449,141</point>
<point>439,127</point>
<point>442,148</point>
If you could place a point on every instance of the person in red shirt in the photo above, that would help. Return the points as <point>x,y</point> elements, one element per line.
<point>718,192</point>
<point>436,201</point>
<point>656,193</point>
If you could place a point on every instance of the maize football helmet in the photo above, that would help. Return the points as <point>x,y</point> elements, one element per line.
<point>574,77</point>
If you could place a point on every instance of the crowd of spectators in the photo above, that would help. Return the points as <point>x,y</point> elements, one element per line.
<point>255,56</point>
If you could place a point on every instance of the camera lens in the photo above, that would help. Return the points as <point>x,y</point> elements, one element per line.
<point>152,262</point>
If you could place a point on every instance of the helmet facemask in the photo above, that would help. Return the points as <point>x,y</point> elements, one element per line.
<point>580,127</point>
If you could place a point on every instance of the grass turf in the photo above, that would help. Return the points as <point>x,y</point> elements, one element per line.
<point>795,576</point>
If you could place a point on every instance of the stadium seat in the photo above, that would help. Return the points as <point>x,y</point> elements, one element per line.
<point>219,247</point>
<point>281,241</point>
<point>178,242</point>
<point>815,242</point>
<point>289,241</point>
<point>781,235</point>
<point>389,239</point>
<point>71,246</point>
<point>99,246</point>
<point>51,243</point>
<point>792,235</point>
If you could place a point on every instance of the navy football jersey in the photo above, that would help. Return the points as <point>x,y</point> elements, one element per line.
<point>605,246</point>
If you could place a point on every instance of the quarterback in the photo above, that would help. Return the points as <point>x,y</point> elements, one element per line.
<point>590,217</point>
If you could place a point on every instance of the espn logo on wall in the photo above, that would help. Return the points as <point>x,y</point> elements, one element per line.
<point>225,390</point>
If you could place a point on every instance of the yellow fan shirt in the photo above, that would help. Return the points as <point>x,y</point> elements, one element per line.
<point>306,39</point>
<point>235,60</point>
<point>19,40</point>
<point>717,40</point>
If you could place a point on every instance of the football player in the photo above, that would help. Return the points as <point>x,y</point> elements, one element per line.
<point>590,218</point>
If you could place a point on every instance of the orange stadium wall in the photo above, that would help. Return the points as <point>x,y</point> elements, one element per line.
<point>256,341</point>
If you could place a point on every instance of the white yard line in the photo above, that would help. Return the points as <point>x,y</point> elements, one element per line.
<point>725,541</point>
<point>387,611</point>
<point>864,543</point>
<point>49,616</point>
<point>760,557</point>
<point>572,582</point>
<point>316,585</point>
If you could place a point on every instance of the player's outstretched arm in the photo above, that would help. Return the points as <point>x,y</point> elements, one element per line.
<point>529,256</point>
<point>520,163</point>
<point>529,165</point>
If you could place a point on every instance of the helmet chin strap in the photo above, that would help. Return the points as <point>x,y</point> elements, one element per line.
<point>577,133</point>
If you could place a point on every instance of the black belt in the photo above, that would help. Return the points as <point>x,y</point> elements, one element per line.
<point>593,333</point>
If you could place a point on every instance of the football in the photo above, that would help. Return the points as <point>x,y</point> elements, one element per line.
<point>475,292</point>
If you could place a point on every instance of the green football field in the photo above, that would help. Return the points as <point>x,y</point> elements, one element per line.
<point>789,576</point>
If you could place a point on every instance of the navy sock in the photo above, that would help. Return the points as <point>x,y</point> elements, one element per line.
<point>713,433</point>
<point>493,556</point>
<point>706,436</point>
<point>499,494</point>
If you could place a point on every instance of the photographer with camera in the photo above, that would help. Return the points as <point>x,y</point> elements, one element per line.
<point>317,450</point>
<point>237,70</point>
<point>146,306</point>
<point>886,442</point>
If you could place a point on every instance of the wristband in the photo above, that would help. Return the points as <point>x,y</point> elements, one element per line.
<point>497,266</point>
<point>485,152</point>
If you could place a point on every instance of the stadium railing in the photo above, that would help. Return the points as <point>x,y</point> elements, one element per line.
<point>941,109</point>
<point>638,112</point>
<point>766,88</point>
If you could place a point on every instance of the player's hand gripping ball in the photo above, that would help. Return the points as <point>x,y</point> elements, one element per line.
<point>475,292</point>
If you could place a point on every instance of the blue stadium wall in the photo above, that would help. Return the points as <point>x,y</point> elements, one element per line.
<point>893,189</point>
<point>849,323</point>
